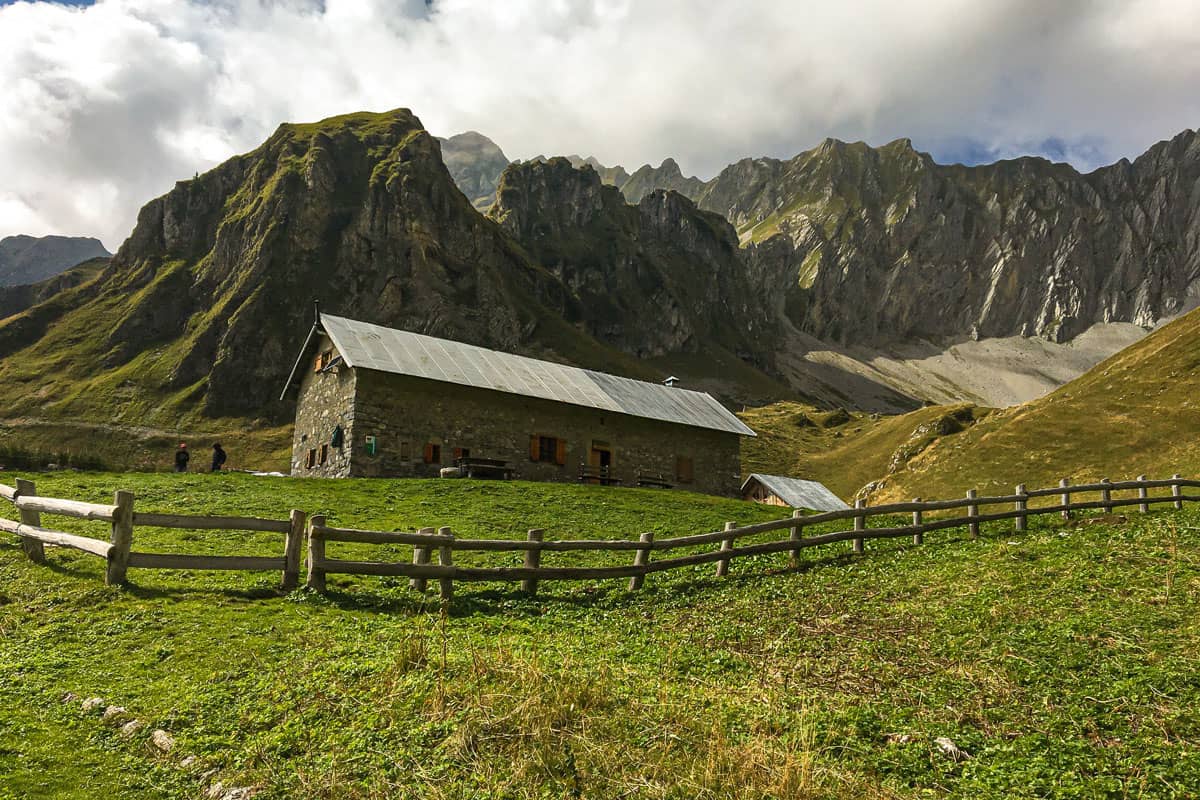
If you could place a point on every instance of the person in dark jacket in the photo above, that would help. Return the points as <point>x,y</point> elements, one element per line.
<point>218,457</point>
<point>182,457</point>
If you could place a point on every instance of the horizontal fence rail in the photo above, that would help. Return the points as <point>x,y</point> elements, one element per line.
<point>642,557</point>
<point>117,548</point>
<point>924,516</point>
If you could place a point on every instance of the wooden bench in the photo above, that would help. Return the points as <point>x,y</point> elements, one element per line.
<point>597,475</point>
<point>656,480</point>
<point>474,467</point>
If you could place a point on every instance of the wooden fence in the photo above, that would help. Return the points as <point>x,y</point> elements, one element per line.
<point>122,518</point>
<point>425,541</point>
<point>926,516</point>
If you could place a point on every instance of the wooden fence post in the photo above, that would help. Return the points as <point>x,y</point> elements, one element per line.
<point>421,558</point>
<point>1177,491</point>
<point>533,560</point>
<point>1142,495</point>
<point>973,511</point>
<point>122,538</point>
<point>796,531</point>
<point>640,559</point>
<point>860,523</point>
<point>1106,496</point>
<point>33,548</point>
<point>291,548</point>
<point>1066,499</point>
<point>1021,521</point>
<point>918,537</point>
<point>446,559</point>
<point>726,544</point>
<point>316,555</point>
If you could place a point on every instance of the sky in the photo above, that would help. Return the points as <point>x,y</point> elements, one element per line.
<point>105,105</point>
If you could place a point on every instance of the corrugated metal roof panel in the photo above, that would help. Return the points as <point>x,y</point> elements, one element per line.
<point>368,346</point>
<point>799,493</point>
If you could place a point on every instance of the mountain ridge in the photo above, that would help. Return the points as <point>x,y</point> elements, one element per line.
<point>26,260</point>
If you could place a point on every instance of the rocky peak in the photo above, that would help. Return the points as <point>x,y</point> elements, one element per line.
<point>665,263</point>
<point>30,259</point>
<point>475,162</point>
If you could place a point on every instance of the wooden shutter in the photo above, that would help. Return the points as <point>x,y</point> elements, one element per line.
<point>560,452</point>
<point>458,453</point>
<point>317,363</point>
<point>429,454</point>
<point>534,447</point>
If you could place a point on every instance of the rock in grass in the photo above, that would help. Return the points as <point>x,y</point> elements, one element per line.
<point>949,749</point>
<point>189,762</point>
<point>93,704</point>
<point>69,697</point>
<point>132,728</point>
<point>162,740</point>
<point>897,738</point>
<point>114,714</point>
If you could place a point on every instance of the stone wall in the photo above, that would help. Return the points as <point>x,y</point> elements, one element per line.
<point>406,414</point>
<point>326,400</point>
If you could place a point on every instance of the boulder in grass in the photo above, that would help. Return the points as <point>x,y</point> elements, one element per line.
<point>93,704</point>
<point>162,740</point>
<point>113,715</point>
<point>132,728</point>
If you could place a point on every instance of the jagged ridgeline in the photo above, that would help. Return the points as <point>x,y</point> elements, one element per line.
<point>892,247</point>
<point>203,308</point>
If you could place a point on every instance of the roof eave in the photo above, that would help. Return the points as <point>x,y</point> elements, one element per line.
<point>312,333</point>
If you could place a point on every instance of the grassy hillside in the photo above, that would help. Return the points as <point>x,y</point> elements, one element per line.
<point>1061,662</point>
<point>845,450</point>
<point>1137,412</point>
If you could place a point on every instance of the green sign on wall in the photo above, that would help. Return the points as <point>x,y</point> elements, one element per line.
<point>370,445</point>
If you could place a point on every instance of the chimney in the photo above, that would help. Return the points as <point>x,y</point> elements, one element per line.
<point>671,381</point>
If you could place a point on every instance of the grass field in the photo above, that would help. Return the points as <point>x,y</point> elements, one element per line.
<point>1062,661</point>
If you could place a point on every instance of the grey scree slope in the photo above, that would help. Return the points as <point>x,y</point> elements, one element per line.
<point>367,346</point>
<point>799,493</point>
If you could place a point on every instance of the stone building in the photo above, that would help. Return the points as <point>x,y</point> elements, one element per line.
<point>375,401</point>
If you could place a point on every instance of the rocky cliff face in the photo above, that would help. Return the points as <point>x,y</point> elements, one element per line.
<point>28,259</point>
<point>893,247</point>
<point>475,162</point>
<point>656,278</point>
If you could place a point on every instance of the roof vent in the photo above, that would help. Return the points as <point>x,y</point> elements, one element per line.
<point>671,381</point>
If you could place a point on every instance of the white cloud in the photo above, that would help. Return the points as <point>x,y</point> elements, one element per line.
<point>105,107</point>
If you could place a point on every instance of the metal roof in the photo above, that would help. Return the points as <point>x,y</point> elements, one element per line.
<point>367,346</point>
<point>798,493</point>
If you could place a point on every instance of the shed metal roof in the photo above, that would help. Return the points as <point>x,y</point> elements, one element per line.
<point>367,346</point>
<point>798,493</point>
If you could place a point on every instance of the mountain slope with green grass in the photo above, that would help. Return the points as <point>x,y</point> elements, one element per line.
<point>1137,412</point>
<point>1060,662</point>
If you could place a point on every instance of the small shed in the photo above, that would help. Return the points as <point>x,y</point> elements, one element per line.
<point>776,490</point>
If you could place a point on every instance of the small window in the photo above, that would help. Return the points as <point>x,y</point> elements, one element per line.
<point>547,449</point>
<point>311,461</point>
<point>324,454</point>
<point>323,360</point>
<point>433,453</point>
<point>684,470</point>
<point>405,451</point>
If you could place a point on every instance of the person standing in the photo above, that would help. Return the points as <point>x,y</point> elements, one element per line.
<point>219,457</point>
<point>182,457</point>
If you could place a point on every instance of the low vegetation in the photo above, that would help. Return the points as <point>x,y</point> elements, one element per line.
<point>1060,662</point>
<point>846,450</point>
<point>1137,412</point>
